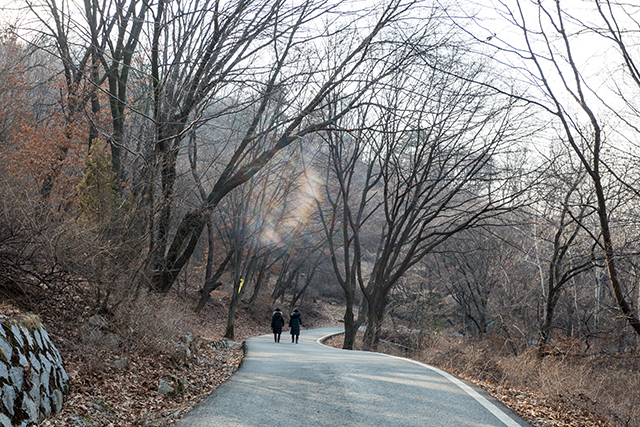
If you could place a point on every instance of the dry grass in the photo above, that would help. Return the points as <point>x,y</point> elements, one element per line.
<point>602,389</point>
<point>102,394</point>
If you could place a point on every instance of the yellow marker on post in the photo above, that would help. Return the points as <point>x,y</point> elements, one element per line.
<point>241,282</point>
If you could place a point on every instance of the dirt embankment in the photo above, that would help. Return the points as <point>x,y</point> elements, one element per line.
<point>131,367</point>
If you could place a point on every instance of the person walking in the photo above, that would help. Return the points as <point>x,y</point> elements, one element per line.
<point>277,323</point>
<point>295,321</point>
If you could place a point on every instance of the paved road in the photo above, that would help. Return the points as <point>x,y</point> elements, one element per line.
<point>311,385</point>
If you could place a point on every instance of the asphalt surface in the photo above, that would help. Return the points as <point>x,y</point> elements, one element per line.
<point>311,385</point>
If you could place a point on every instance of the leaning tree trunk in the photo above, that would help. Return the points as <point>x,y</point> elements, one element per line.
<point>259,281</point>
<point>211,283</point>
<point>298,296</point>
<point>611,264</point>
<point>185,240</point>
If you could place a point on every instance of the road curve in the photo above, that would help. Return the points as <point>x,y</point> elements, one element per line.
<point>311,385</point>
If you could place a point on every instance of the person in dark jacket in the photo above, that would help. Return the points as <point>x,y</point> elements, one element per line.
<point>277,323</point>
<point>295,321</point>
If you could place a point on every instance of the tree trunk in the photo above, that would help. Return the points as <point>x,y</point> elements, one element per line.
<point>187,236</point>
<point>211,283</point>
<point>545,329</point>
<point>297,296</point>
<point>308,278</point>
<point>611,264</point>
<point>233,307</point>
<point>351,326</point>
<point>283,283</point>
<point>374,322</point>
<point>261,278</point>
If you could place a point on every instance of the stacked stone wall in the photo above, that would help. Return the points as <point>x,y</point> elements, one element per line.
<point>33,381</point>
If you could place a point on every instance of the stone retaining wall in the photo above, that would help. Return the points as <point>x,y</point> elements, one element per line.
<point>33,381</point>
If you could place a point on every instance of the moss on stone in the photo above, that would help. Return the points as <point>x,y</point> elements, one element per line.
<point>30,321</point>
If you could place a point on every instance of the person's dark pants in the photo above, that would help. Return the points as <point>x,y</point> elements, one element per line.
<point>294,338</point>
<point>276,336</point>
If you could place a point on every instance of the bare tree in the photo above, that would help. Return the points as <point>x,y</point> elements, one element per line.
<point>94,42</point>
<point>260,222</point>
<point>550,51</point>
<point>347,206</point>
<point>567,221</point>
<point>470,268</point>
<point>236,39</point>
<point>115,53</point>
<point>429,170</point>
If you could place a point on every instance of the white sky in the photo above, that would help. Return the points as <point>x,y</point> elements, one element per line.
<point>10,12</point>
<point>600,62</point>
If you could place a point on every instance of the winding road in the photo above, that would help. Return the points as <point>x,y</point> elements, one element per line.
<point>311,385</point>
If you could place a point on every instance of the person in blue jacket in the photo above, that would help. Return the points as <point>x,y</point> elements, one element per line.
<point>277,323</point>
<point>295,321</point>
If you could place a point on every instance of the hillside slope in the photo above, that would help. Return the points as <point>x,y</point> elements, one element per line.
<point>130,368</point>
<point>134,370</point>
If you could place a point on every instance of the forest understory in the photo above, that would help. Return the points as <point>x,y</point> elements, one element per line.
<point>106,393</point>
<point>561,390</point>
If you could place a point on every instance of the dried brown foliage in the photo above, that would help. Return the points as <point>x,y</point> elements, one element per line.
<point>102,394</point>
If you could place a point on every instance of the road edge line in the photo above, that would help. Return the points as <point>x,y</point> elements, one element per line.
<point>497,412</point>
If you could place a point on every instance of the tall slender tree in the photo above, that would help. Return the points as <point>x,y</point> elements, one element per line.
<point>552,64</point>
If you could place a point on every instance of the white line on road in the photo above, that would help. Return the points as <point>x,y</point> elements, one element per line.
<point>508,421</point>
